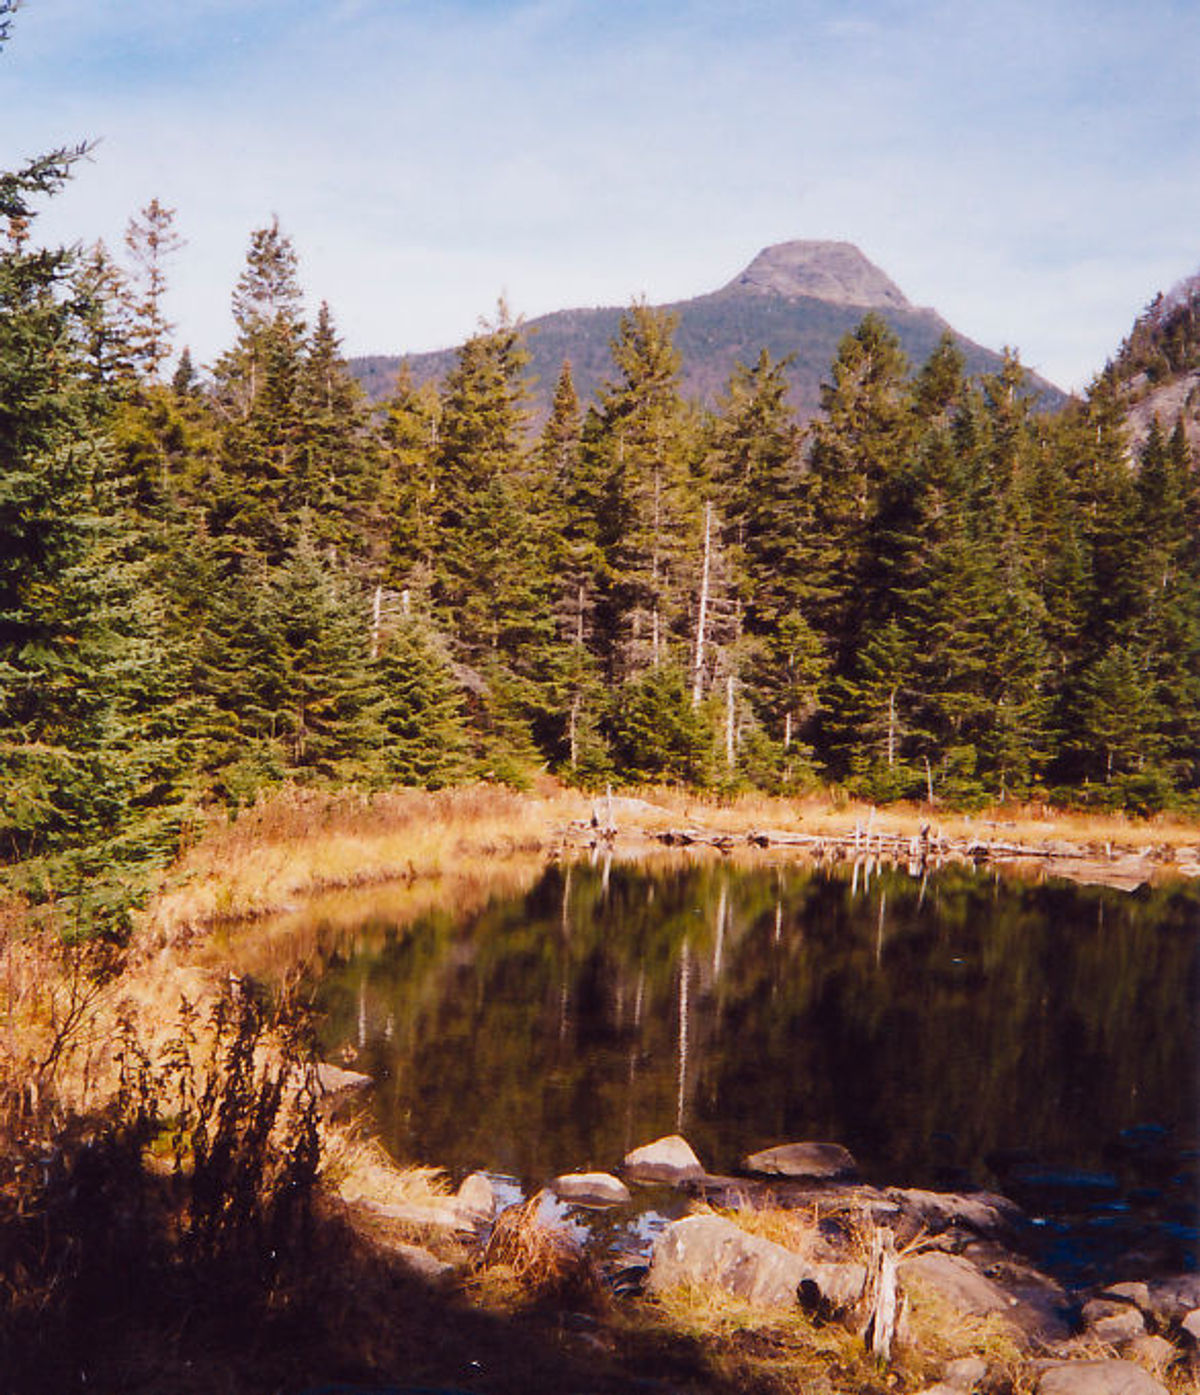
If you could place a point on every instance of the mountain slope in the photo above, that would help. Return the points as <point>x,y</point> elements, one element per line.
<point>1158,365</point>
<point>795,298</point>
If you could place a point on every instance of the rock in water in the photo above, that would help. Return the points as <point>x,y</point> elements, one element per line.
<point>813,1160</point>
<point>712,1250</point>
<point>669,1159</point>
<point>1171,1299</point>
<point>475,1199</point>
<point>590,1189</point>
<point>332,1080</point>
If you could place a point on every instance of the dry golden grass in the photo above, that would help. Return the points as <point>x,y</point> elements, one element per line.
<point>799,1230</point>
<point>938,1333</point>
<point>528,1259</point>
<point>359,1168</point>
<point>774,1349</point>
<point>299,842</point>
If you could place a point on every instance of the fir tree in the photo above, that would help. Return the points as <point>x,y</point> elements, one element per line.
<point>641,447</point>
<point>150,240</point>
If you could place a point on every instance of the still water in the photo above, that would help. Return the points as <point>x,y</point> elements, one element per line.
<point>954,1030</point>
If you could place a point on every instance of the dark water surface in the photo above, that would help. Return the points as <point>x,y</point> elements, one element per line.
<point>952,1031</point>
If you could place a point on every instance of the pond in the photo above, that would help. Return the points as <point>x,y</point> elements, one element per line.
<point>952,1031</point>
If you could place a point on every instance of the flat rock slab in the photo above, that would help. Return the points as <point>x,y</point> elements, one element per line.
<point>442,1216</point>
<point>710,1250</point>
<point>669,1160</point>
<point>332,1080</point>
<point>983,1212</point>
<point>422,1264</point>
<point>590,1189</point>
<point>1099,1378</point>
<point>811,1160</point>
<point>1126,873</point>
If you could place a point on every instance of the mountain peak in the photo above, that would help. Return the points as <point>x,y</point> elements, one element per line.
<point>836,272</point>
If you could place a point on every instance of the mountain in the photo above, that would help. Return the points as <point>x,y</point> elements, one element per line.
<point>1158,365</point>
<point>796,298</point>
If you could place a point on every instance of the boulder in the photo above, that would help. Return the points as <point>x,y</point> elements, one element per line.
<point>965,1373</point>
<point>590,1189</point>
<point>421,1264</point>
<point>1136,1293</point>
<point>710,1250</point>
<point>1191,1324</point>
<point>1153,1351</point>
<point>1115,1329</point>
<point>956,1282</point>
<point>983,1212</point>
<point>669,1160</point>
<point>475,1199</point>
<point>1170,1300</point>
<point>332,1080</point>
<point>812,1160</point>
<point>1099,1378</point>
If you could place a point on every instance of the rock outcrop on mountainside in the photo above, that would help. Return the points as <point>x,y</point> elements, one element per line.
<point>795,298</point>
<point>1158,366</point>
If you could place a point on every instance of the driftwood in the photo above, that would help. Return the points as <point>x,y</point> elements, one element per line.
<point>1122,868</point>
<point>881,1294</point>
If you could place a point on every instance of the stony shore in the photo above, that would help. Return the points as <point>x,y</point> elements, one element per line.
<point>796,1237</point>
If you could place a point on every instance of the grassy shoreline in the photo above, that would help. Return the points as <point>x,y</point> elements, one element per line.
<point>298,844</point>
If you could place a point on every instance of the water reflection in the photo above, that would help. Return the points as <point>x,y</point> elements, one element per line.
<point>937,1027</point>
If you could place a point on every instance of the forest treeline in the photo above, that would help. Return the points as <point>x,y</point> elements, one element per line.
<point>213,582</point>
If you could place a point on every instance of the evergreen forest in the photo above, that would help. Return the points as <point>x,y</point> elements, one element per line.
<point>214,580</point>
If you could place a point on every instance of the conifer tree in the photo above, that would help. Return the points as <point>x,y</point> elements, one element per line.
<point>573,706</point>
<point>257,392</point>
<point>423,734</point>
<point>337,473</point>
<point>150,240</point>
<point>641,446</point>
<point>74,763</point>
<point>769,531</point>
<point>865,434</point>
<point>409,443</point>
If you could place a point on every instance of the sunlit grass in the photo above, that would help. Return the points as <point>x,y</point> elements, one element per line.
<point>298,842</point>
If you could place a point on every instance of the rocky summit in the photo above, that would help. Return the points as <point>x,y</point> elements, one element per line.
<point>835,272</point>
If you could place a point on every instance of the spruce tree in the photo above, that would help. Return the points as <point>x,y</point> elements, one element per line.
<point>150,240</point>
<point>74,763</point>
<point>641,448</point>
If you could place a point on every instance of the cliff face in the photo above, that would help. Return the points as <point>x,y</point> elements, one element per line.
<point>794,299</point>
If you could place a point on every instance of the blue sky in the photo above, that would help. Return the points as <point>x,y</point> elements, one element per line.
<point>1032,170</point>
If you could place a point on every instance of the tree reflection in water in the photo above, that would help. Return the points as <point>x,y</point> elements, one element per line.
<point>927,1024</point>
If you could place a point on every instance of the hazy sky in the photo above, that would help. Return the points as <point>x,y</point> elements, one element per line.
<point>1031,168</point>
